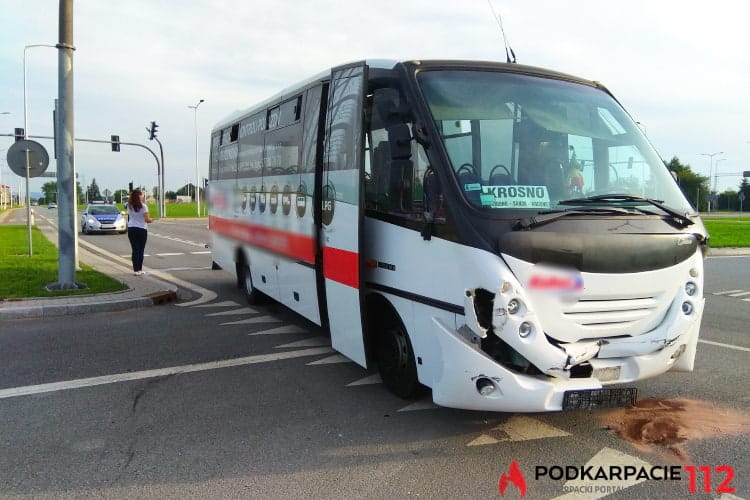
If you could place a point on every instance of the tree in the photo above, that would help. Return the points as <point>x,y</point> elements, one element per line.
<point>170,195</point>
<point>694,186</point>
<point>50,192</point>
<point>93,191</point>
<point>728,200</point>
<point>121,195</point>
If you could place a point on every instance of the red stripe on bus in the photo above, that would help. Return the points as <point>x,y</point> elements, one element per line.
<point>341,266</point>
<point>287,243</point>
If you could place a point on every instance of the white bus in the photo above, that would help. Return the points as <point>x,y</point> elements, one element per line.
<point>501,234</point>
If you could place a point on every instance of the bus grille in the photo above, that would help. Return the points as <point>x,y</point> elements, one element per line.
<point>591,314</point>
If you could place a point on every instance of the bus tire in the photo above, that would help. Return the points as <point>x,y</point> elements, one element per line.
<point>245,282</point>
<point>395,358</point>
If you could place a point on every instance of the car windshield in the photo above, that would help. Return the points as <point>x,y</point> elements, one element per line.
<point>520,142</point>
<point>103,210</point>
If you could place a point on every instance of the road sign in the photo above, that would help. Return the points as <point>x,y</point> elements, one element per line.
<point>38,159</point>
<point>746,173</point>
<point>49,174</point>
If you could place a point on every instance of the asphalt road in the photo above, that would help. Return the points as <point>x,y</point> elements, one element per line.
<point>288,418</point>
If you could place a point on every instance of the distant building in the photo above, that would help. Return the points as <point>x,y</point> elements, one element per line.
<point>5,196</point>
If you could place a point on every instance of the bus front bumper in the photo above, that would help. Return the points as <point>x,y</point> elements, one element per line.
<point>465,369</point>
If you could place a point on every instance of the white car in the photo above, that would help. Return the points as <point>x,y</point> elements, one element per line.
<point>101,218</point>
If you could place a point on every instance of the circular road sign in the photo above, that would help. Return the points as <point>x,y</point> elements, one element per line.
<point>37,155</point>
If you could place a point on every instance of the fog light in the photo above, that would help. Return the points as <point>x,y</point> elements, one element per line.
<point>691,288</point>
<point>505,287</point>
<point>513,306</point>
<point>679,351</point>
<point>524,329</point>
<point>687,308</point>
<point>485,386</point>
<point>694,272</point>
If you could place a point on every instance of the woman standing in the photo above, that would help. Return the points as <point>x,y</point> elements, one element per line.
<point>137,219</point>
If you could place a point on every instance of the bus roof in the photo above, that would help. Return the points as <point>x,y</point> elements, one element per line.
<point>324,75</point>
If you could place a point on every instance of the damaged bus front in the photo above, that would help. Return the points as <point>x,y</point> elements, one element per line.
<point>578,260</point>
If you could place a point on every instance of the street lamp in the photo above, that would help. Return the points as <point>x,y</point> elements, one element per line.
<point>710,170</point>
<point>197,177</point>
<point>25,111</point>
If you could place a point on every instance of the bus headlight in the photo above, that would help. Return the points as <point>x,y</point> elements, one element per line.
<point>525,329</point>
<point>691,288</point>
<point>514,305</point>
<point>687,308</point>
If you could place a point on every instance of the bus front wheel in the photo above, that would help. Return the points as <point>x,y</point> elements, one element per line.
<point>395,358</point>
<point>245,282</point>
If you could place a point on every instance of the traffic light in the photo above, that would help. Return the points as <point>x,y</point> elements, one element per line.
<point>19,133</point>
<point>130,187</point>
<point>205,183</point>
<point>152,131</point>
<point>115,142</point>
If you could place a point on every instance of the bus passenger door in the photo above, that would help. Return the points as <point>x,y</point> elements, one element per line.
<point>341,214</point>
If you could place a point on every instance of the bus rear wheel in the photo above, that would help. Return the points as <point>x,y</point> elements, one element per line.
<point>245,282</point>
<point>395,358</point>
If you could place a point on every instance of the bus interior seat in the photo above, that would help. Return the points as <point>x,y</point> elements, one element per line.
<point>381,156</point>
<point>471,186</point>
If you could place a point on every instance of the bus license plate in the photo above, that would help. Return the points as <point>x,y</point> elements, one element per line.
<point>590,399</point>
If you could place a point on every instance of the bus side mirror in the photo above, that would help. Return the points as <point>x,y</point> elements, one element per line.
<point>399,139</point>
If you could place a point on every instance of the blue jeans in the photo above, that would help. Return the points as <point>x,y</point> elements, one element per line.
<point>137,237</point>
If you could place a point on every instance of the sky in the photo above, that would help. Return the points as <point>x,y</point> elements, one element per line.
<point>681,68</point>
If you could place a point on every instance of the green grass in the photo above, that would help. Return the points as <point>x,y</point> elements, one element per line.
<point>24,276</point>
<point>728,232</point>
<point>175,210</point>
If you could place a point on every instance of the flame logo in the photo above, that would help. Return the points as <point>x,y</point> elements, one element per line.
<point>514,477</point>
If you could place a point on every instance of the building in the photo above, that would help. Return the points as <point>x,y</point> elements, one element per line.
<point>5,196</point>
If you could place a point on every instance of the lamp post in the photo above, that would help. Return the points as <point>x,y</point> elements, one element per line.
<point>197,175</point>
<point>710,170</point>
<point>25,109</point>
<point>3,200</point>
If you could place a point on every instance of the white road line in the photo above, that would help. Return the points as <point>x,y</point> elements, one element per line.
<point>425,404</point>
<point>241,310</point>
<point>605,458</point>
<point>370,379</point>
<point>519,429</point>
<point>741,294</point>
<point>313,341</point>
<point>281,330</point>
<point>226,303</point>
<point>727,292</point>
<point>252,321</point>
<point>160,372</point>
<point>728,346</point>
<point>169,254</point>
<point>200,253</point>
<point>330,360</point>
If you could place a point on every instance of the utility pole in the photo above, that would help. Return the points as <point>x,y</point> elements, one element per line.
<point>66,202</point>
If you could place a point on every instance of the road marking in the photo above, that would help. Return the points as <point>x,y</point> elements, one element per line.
<point>241,310</point>
<point>330,360</point>
<point>200,253</point>
<point>425,404</point>
<point>728,346</point>
<point>519,429</point>
<point>741,294</point>
<point>250,321</point>
<point>313,341</point>
<point>226,303</point>
<point>160,372</point>
<point>370,379</point>
<point>727,292</point>
<point>168,269</point>
<point>605,458</point>
<point>280,330</point>
<point>179,240</point>
<point>169,254</point>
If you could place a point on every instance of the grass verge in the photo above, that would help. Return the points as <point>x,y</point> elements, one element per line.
<point>728,232</point>
<point>24,276</point>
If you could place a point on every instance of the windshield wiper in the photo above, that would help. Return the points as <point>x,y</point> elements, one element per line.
<point>682,218</point>
<point>545,217</point>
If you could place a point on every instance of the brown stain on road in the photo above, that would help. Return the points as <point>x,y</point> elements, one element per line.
<point>667,424</point>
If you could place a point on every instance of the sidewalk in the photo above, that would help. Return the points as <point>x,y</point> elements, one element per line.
<point>143,291</point>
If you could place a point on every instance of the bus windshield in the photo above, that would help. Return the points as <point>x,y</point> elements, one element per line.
<point>521,142</point>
